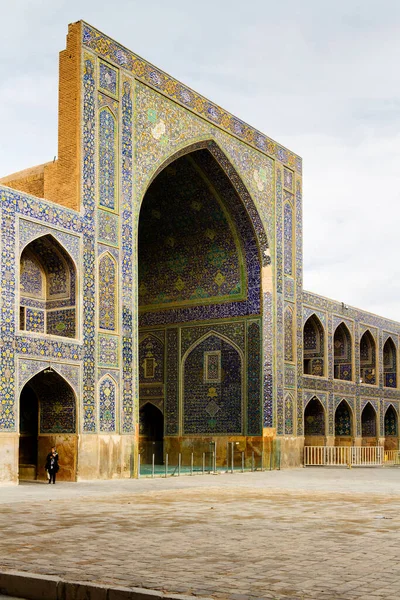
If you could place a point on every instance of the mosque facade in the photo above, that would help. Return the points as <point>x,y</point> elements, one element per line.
<point>152,296</point>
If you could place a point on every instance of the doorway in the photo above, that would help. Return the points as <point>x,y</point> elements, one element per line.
<point>47,419</point>
<point>151,423</point>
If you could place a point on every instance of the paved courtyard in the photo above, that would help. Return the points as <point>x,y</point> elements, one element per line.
<point>305,534</point>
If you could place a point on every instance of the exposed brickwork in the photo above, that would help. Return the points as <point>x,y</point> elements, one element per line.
<point>30,181</point>
<point>61,178</point>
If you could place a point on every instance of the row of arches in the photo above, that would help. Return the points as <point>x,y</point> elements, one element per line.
<point>314,355</point>
<point>345,426</point>
<point>48,289</point>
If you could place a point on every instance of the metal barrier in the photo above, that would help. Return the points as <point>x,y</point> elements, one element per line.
<point>350,456</point>
<point>202,458</point>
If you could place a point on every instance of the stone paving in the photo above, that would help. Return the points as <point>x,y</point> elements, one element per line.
<point>302,534</point>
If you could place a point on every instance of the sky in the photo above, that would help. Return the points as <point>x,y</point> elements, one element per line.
<point>319,77</point>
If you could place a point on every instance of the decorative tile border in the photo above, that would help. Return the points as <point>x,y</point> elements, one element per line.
<point>111,51</point>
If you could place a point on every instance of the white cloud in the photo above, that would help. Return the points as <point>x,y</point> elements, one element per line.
<point>318,77</point>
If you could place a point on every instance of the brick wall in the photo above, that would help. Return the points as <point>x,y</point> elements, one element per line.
<point>61,178</point>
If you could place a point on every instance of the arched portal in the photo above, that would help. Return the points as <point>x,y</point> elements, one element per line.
<point>151,431</point>
<point>342,353</point>
<point>314,347</point>
<point>391,429</point>
<point>47,289</point>
<point>390,363</point>
<point>199,265</point>
<point>343,425</point>
<point>368,425</point>
<point>367,359</point>
<point>314,423</point>
<point>47,418</point>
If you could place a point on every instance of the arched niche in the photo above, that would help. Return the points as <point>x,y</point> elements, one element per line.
<point>213,387</point>
<point>48,417</point>
<point>391,425</point>
<point>288,334</point>
<point>390,363</point>
<point>369,425</point>
<point>367,358</point>
<point>342,350</point>
<point>107,391</point>
<point>201,247</point>
<point>47,289</point>
<point>196,245</point>
<point>108,293</point>
<point>344,426</point>
<point>314,423</point>
<point>314,347</point>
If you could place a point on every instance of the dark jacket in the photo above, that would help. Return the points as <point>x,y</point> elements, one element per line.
<point>52,462</point>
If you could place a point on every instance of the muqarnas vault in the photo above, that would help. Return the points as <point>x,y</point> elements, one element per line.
<point>151,290</point>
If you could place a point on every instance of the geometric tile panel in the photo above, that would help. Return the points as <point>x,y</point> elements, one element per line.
<point>108,350</point>
<point>107,224</point>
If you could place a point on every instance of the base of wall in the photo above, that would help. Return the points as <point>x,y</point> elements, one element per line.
<point>9,443</point>
<point>110,456</point>
<point>81,457</point>
<point>291,452</point>
<point>261,451</point>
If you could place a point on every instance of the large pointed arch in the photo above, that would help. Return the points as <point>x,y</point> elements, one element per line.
<point>173,291</point>
<point>237,182</point>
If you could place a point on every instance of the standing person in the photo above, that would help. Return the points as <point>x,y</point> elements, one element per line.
<point>51,465</point>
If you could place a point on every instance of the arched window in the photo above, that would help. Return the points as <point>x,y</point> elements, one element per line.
<point>47,288</point>
<point>342,353</point>
<point>314,418</point>
<point>368,421</point>
<point>390,364</point>
<point>108,283</point>
<point>391,422</point>
<point>288,327</point>
<point>313,347</point>
<point>343,420</point>
<point>367,359</point>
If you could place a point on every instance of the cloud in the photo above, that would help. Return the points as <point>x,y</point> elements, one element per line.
<point>316,76</point>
